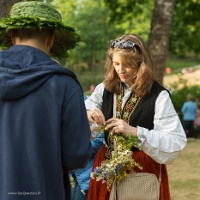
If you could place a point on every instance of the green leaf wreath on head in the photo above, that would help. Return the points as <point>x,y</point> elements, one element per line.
<point>39,15</point>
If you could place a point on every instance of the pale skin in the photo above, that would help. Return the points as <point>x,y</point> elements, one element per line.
<point>44,45</point>
<point>117,125</point>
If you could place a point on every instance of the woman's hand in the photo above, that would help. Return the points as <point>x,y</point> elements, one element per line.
<point>96,116</point>
<point>120,126</point>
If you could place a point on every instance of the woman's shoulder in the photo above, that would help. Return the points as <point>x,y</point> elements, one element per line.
<point>156,85</point>
<point>100,86</point>
<point>99,89</point>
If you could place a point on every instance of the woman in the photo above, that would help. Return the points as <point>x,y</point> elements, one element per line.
<point>152,118</point>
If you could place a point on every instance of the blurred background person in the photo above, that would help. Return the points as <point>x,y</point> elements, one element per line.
<point>189,110</point>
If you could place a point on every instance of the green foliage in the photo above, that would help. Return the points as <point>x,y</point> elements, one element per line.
<point>94,29</point>
<point>91,20</point>
<point>33,0</point>
<point>87,80</point>
<point>94,22</point>
<point>37,15</point>
<point>102,20</point>
<point>179,95</point>
<point>31,23</point>
<point>123,10</point>
<point>66,8</point>
<point>134,16</point>
<point>185,27</point>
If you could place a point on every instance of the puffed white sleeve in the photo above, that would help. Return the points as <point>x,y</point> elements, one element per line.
<point>95,101</point>
<point>96,98</point>
<point>167,139</point>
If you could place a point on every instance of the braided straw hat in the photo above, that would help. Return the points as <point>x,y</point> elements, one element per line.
<point>39,15</point>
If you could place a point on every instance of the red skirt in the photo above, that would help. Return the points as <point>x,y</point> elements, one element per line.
<point>98,190</point>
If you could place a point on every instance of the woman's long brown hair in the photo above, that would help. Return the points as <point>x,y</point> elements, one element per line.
<point>139,58</point>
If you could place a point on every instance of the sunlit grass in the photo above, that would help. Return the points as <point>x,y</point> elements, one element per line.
<point>184,173</point>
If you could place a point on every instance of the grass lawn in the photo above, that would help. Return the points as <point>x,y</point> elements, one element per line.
<point>184,173</point>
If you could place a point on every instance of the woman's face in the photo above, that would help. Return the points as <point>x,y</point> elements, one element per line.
<point>125,73</point>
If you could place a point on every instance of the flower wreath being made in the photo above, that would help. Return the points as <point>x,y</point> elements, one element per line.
<point>120,162</point>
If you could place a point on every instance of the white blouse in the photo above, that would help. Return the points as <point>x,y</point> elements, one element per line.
<point>166,140</point>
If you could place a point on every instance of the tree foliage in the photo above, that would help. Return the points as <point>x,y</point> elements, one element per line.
<point>185,29</point>
<point>91,19</point>
<point>160,25</point>
<point>185,33</point>
<point>123,10</point>
<point>133,15</point>
<point>102,20</point>
<point>179,95</point>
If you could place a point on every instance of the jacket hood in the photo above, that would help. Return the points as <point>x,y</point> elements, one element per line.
<point>19,74</point>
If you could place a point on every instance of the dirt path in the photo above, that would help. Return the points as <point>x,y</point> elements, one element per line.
<point>192,78</point>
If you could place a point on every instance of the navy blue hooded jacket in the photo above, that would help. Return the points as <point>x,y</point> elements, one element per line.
<point>43,126</point>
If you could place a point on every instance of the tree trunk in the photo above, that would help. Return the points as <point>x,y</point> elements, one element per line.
<point>5,6</point>
<point>160,33</point>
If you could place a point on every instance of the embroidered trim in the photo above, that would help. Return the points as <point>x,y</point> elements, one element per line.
<point>124,114</point>
<point>129,106</point>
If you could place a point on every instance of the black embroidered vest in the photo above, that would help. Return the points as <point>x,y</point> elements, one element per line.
<point>143,114</point>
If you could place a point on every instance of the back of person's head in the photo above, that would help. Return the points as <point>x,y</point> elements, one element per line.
<point>27,34</point>
<point>35,15</point>
<point>190,97</point>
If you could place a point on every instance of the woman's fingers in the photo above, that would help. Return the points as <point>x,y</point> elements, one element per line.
<point>89,114</point>
<point>97,116</point>
<point>119,126</point>
<point>113,124</point>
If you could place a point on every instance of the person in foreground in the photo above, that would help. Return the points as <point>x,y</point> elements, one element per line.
<point>43,121</point>
<point>144,111</point>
